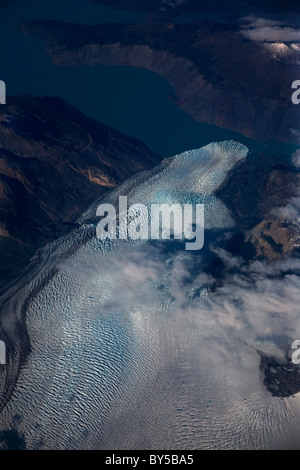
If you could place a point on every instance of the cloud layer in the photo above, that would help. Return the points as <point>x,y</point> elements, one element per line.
<point>264,30</point>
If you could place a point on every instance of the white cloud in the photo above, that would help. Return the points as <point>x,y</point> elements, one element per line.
<point>296,158</point>
<point>295,133</point>
<point>263,30</point>
<point>290,212</point>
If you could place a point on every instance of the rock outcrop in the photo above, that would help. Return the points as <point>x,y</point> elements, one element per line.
<point>254,192</point>
<point>54,162</point>
<point>218,76</point>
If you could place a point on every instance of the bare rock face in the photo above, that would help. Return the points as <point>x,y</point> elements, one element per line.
<point>54,162</point>
<point>280,379</point>
<point>218,76</point>
<point>257,192</point>
<point>273,239</point>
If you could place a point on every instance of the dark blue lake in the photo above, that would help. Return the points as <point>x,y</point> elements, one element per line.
<point>132,100</point>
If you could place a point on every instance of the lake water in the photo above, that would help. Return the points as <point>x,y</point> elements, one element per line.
<point>134,101</point>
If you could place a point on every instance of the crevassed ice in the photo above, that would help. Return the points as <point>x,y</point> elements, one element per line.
<point>189,178</point>
<point>121,356</point>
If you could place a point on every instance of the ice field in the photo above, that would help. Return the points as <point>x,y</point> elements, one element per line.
<point>125,355</point>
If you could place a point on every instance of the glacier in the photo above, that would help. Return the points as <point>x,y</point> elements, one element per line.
<point>122,355</point>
